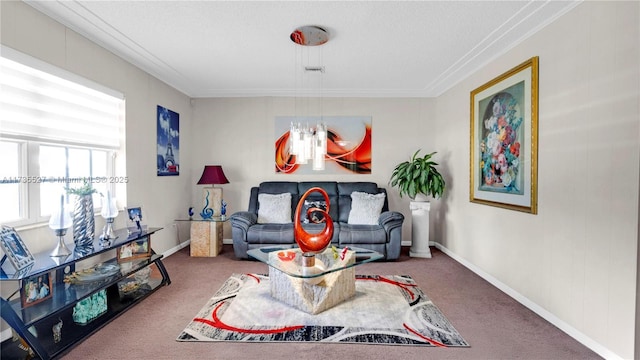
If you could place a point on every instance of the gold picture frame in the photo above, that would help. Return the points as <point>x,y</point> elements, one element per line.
<point>36,289</point>
<point>136,249</point>
<point>504,140</point>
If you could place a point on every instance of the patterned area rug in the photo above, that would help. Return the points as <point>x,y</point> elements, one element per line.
<point>389,310</point>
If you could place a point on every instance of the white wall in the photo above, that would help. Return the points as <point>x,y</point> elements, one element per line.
<point>162,198</point>
<point>577,258</point>
<point>238,133</point>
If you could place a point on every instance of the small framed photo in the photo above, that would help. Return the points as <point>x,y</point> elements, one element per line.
<point>15,249</point>
<point>136,249</point>
<point>135,214</point>
<point>36,289</point>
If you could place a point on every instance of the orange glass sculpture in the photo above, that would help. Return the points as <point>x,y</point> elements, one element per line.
<point>313,243</point>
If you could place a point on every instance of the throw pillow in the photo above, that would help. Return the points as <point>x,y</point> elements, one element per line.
<point>274,208</point>
<point>315,217</point>
<point>365,208</point>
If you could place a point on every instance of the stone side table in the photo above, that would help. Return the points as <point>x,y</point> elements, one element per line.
<point>420,229</point>
<point>206,236</point>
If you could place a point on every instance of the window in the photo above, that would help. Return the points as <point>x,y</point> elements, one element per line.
<point>65,167</point>
<point>57,131</point>
<point>10,191</point>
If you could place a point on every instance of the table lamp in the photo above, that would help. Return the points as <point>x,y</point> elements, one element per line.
<point>212,175</point>
<point>59,222</point>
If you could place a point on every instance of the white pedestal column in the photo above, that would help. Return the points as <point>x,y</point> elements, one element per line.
<point>420,229</point>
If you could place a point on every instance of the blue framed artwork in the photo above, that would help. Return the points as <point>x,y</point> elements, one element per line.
<point>168,142</point>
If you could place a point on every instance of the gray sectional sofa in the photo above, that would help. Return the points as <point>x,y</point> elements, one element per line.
<point>385,236</point>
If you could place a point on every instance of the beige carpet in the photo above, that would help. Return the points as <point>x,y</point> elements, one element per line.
<point>496,326</point>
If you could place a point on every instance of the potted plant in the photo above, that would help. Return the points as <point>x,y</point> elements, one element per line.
<point>418,176</point>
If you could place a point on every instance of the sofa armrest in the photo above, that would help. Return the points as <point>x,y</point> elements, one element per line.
<point>243,219</point>
<point>392,221</point>
<point>240,223</point>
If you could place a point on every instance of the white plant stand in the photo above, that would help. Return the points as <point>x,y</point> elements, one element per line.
<point>420,229</point>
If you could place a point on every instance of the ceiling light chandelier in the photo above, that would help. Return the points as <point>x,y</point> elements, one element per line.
<point>308,143</point>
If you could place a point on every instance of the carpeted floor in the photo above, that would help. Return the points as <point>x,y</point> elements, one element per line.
<point>495,325</point>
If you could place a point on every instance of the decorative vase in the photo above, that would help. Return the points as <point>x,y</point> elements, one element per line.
<point>84,224</point>
<point>313,243</point>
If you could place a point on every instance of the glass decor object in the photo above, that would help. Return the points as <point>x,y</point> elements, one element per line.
<point>59,222</point>
<point>309,144</point>
<point>223,210</point>
<point>90,308</point>
<point>109,213</point>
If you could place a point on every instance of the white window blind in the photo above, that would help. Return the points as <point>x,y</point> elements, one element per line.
<point>41,102</point>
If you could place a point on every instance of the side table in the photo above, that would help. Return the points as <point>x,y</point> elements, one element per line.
<point>420,229</point>
<point>206,235</point>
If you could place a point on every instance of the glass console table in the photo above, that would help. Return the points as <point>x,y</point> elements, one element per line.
<point>55,324</point>
<point>313,285</point>
<point>206,235</point>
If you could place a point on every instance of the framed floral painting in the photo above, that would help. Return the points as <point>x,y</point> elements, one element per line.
<point>504,140</point>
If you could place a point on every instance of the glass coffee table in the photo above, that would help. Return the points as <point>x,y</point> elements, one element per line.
<point>313,285</point>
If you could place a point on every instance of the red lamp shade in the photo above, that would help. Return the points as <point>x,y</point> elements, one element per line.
<point>213,174</point>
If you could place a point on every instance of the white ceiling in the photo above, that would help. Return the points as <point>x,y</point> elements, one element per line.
<point>242,48</point>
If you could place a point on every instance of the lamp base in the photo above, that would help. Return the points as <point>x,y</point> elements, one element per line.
<point>107,233</point>
<point>61,250</point>
<point>212,199</point>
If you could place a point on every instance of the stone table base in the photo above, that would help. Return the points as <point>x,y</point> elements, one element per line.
<point>302,294</point>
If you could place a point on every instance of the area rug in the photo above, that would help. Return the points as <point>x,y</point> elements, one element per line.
<point>388,310</point>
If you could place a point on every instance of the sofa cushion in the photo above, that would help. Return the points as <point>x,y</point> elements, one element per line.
<point>365,208</point>
<point>279,187</point>
<point>270,234</point>
<point>315,216</point>
<point>331,187</point>
<point>361,234</point>
<point>317,228</point>
<point>274,208</point>
<point>344,196</point>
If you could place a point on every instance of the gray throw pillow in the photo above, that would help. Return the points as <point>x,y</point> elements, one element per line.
<point>315,216</point>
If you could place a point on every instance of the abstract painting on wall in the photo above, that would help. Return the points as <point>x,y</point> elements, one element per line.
<point>168,142</point>
<point>348,145</point>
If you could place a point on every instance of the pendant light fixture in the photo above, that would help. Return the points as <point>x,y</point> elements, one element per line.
<point>307,142</point>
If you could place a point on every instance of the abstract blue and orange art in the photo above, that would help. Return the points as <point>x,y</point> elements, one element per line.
<point>348,145</point>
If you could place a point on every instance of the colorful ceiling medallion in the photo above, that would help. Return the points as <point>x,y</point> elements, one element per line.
<point>309,35</point>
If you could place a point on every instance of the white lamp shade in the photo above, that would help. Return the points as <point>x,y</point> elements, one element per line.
<point>60,219</point>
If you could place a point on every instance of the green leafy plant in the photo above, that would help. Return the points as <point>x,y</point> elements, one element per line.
<point>85,189</point>
<point>418,176</point>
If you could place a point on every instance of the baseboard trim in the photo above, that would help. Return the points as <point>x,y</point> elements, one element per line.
<point>176,248</point>
<point>560,324</point>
